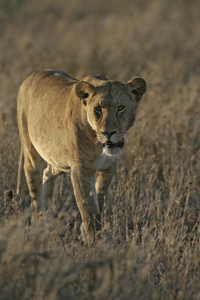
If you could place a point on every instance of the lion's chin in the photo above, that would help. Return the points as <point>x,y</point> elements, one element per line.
<point>111,151</point>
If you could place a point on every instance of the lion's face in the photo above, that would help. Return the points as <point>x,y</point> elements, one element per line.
<point>111,110</point>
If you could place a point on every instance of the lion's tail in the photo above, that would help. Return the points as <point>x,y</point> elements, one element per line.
<point>20,174</point>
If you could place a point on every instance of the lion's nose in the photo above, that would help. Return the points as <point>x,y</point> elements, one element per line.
<point>108,134</point>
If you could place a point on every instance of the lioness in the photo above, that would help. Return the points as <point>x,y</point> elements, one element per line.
<point>74,125</point>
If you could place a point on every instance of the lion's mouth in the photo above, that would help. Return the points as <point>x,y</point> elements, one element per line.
<point>110,144</point>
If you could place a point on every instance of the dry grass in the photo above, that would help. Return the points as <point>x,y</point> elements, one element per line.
<point>149,247</point>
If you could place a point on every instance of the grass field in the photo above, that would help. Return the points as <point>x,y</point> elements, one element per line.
<point>149,246</point>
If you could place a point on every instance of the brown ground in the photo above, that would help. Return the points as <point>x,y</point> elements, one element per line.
<point>149,247</point>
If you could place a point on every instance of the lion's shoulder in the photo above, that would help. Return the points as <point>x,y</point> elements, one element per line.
<point>58,74</point>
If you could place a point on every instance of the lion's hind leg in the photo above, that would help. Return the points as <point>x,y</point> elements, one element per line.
<point>33,169</point>
<point>48,184</point>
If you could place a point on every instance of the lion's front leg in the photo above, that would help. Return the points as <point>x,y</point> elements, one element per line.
<point>83,181</point>
<point>103,180</point>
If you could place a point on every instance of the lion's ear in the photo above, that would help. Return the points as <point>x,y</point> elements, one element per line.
<point>84,90</point>
<point>137,86</point>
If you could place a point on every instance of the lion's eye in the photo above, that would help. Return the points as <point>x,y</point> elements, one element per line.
<point>98,109</point>
<point>120,108</point>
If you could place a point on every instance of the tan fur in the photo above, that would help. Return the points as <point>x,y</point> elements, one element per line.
<point>78,126</point>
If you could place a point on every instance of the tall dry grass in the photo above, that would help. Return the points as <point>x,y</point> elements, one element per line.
<point>149,246</point>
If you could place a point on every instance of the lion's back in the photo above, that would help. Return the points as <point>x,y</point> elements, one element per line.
<point>45,84</point>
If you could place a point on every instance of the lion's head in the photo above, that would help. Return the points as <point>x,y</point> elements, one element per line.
<point>111,108</point>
